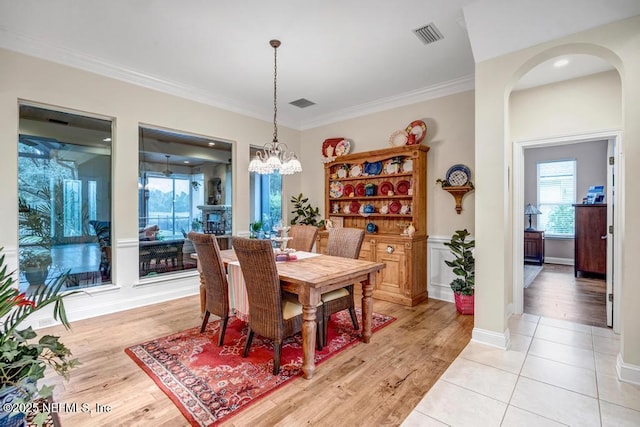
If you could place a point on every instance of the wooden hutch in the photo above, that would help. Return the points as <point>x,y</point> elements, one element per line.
<point>394,196</point>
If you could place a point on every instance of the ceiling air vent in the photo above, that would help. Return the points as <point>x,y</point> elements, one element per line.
<point>428,34</point>
<point>302,103</point>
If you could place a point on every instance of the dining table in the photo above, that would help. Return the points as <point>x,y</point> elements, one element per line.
<point>309,276</point>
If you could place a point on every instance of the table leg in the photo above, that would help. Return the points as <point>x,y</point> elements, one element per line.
<point>367,308</point>
<point>308,340</point>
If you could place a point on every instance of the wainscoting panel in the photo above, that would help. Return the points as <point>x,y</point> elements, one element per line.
<point>440,276</point>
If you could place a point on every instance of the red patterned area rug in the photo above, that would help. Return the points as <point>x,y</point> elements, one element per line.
<point>210,383</point>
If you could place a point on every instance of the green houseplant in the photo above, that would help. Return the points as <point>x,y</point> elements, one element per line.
<point>23,360</point>
<point>304,213</point>
<point>463,266</point>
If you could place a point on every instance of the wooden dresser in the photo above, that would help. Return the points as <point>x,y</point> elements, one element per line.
<point>591,239</point>
<point>397,197</point>
<point>534,246</point>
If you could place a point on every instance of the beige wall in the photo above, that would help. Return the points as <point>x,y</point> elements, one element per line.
<point>450,127</point>
<point>591,169</point>
<point>592,102</point>
<point>27,78</point>
<point>618,43</point>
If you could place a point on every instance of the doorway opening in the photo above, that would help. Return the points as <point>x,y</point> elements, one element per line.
<point>613,264</point>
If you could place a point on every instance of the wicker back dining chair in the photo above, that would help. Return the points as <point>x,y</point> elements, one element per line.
<point>343,242</point>
<point>215,280</point>
<point>303,237</point>
<point>271,315</point>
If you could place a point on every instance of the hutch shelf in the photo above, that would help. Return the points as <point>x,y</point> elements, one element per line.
<point>383,192</point>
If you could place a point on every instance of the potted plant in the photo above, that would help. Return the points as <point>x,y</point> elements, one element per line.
<point>304,213</point>
<point>22,359</point>
<point>463,266</point>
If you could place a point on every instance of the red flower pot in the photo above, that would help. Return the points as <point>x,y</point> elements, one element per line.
<point>464,303</point>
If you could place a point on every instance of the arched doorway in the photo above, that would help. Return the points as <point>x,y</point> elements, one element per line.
<point>567,130</point>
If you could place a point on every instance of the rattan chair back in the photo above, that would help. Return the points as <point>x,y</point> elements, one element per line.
<point>345,242</point>
<point>214,276</point>
<point>303,237</point>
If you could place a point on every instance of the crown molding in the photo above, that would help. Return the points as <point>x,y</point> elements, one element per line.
<point>439,90</point>
<point>44,50</point>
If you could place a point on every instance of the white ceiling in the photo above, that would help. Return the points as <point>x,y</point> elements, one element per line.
<point>349,57</point>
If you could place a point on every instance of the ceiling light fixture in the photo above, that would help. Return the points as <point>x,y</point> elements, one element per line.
<point>273,157</point>
<point>561,63</point>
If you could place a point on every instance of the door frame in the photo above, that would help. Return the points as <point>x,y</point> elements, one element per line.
<point>614,136</point>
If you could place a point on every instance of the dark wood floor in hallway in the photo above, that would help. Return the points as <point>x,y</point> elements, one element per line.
<point>556,293</point>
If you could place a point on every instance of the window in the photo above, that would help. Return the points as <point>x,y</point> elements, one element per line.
<point>266,202</point>
<point>556,196</point>
<point>64,171</point>
<point>181,178</point>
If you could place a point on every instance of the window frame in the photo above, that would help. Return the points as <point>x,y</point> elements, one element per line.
<point>542,219</point>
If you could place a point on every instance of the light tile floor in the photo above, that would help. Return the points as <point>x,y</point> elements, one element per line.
<point>556,373</point>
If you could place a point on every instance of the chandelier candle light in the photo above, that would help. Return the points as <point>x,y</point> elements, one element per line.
<point>274,156</point>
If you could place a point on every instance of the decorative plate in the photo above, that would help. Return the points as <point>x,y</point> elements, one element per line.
<point>330,142</point>
<point>373,168</point>
<point>348,190</point>
<point>407,166</point>
<point>458,175</point>
<point>391,167</point>
<point>343,147</point>
<point>395,206</point>
<point>342,173</point>
<point>354,207</point>
<point>360,190</point>
<point>402,187</point>
<point>384,188</point>
<point>336,189</point>
<point>419,129</point>
<point>356,171</point>
<point>398,138</point>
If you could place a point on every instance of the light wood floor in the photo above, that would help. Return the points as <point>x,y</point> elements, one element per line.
<point>369,384</point>
<point>556,293</point>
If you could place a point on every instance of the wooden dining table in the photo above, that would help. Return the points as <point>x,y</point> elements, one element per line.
<point>309,278</point>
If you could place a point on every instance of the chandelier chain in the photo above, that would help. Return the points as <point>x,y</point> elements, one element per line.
<point>275,93</point>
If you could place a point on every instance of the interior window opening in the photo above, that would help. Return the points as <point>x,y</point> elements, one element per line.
<point>184,185</point>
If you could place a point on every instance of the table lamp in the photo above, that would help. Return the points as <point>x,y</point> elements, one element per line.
<point>531,210</point>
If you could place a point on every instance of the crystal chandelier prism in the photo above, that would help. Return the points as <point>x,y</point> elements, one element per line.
<point>274,157</point>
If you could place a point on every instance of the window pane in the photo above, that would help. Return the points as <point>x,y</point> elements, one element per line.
<point>183,185</point>
<point>64,170</point>
<point>556,195</point>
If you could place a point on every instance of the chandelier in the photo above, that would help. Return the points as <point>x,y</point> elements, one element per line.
<point>274,157</point>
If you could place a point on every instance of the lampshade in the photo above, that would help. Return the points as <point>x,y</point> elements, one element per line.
<point>531,210</point>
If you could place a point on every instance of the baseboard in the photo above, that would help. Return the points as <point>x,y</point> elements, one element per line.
<point>627,372</point>
<point>562,261</point>
<point>493,339</point>
<point>441,292</point>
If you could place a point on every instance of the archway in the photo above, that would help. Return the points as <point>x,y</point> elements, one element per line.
<point>560,134</point>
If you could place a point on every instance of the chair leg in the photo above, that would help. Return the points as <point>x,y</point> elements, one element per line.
<point>223,328</point>
<point>319,335</point>
<point>354,319</point>
<point>205,320</point>
<point>277,348</point>
<point>325,328</point>
<point>245,353</point>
